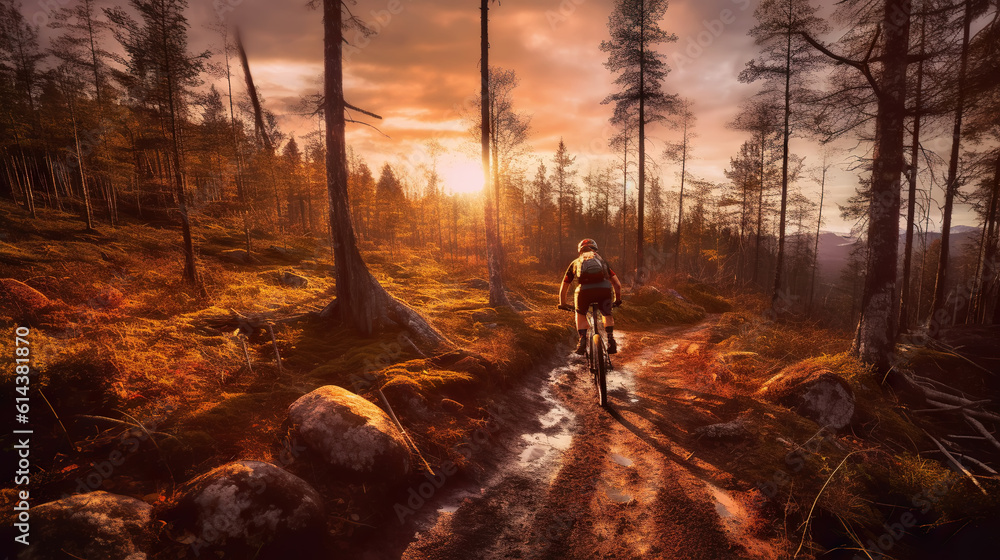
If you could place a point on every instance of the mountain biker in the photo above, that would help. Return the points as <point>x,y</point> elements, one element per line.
<point>596,281</point>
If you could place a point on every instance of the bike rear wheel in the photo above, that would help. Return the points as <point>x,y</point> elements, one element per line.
<point>600,371</point>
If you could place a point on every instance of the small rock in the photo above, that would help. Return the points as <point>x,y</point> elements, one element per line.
<point>828,401</point>
<point>648,291</point>
<point>477,283</point>
<point>676,294</point>
<point>471,365</point>
<point>281,252</point>
<point>350,433</point>
<point>244,507</point>
<point>91,525</point>
<point>237,256</point>
<point>484,315</point>
<point>294,280</point>
<point>734,429</point>
<point>109,298</point>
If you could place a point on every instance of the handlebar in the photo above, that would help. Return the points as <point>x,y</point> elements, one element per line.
<point>570,307</point>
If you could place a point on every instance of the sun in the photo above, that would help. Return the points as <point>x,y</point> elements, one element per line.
<point>461,176</point>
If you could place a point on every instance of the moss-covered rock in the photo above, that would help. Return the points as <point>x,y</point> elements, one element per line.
<point>91,525</point>
<point>349,433</point>
<point>248,509</point>
<point>814,392</point>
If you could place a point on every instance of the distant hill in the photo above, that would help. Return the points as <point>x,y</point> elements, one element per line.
<point>835,248</point>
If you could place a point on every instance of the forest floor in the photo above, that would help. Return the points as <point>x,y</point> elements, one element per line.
<point>123,348</point>
<point>628,481</point>
<point>642,478</point>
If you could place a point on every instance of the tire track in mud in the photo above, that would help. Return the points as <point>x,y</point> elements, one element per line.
<point>624,486</point>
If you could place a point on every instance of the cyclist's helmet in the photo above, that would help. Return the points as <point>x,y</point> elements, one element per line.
<point>586,244</point>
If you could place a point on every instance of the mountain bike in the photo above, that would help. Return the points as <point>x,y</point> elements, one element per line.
<point>597,351</point>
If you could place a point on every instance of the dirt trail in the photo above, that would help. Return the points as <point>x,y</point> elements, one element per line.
<point>615,483</point>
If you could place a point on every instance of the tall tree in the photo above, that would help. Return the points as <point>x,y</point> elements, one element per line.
<point>983,129</point>
<point>760,117</point>
<point>824,168</point>
<point>21,54</point>
<point>562,184</point>
<point>680,151</point>
<point>508,127</point>
<point>876,333</point>
<point>623,143</point>
<point>541,199</point>
<point>494,249</point>
<point>969,10</point>
<point>361,301</point>
<point>785,54</point>
<point>911,175</point>
<point>241,194</point>
<point>635,30</point>
<point>158,58</point>
<point>81,46</point>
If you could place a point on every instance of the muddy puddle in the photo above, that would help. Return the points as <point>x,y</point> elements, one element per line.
<point>535,453</point>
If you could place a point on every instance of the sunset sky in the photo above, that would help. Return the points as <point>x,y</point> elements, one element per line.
<point>420,72</point>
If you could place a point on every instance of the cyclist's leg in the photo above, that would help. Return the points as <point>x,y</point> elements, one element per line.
<point>581,323</point>
<point>605,305</point>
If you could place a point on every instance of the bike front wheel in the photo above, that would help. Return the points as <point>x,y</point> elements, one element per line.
<point>600,371</point>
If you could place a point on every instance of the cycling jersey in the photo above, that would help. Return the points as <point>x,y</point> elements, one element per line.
<point>606,283</point>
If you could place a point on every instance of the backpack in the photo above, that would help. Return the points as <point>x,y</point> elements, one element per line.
<point>590,268</point>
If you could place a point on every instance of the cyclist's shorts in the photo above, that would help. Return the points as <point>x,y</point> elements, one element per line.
<point>604,297</point>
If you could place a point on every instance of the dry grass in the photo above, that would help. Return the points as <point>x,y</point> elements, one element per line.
<point>132,337</point>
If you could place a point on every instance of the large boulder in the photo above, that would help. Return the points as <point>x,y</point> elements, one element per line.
<point>91,525</point>
<point>814,392</point>
<point>246,506</point>
<point>349,434</point>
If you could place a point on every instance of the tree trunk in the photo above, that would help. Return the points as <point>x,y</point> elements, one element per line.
<point>88,214</point>
<point>911,202</point>
<point>240,188</point>
<point>989,265</point>
<point>498,297</point>
<point>876,334</point>
<point>760,213</point>
<point>640,211</point>
<point>680,201</point>
<point>190,272</point>
<point>819,224</point>
<point>625,195</point>
<point>259,125</point>
<point>938,313</point>
<point>361,301</point>
<point>29,190</point>
<point>776,292</point>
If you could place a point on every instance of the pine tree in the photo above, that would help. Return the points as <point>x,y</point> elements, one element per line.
<point>635,31</point>
<point>562,183</point>
<point>159,62</point>
<point>787,59</point>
